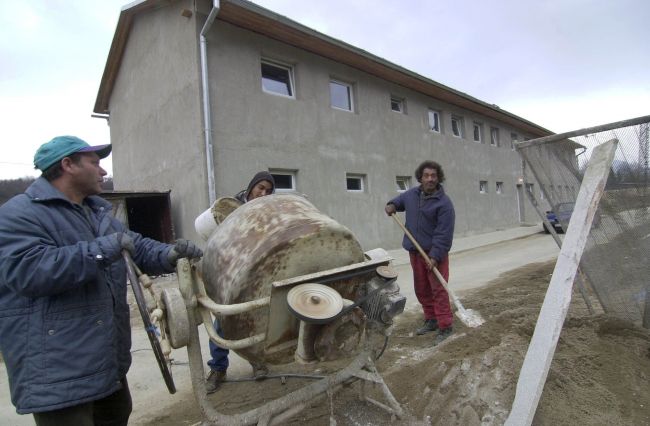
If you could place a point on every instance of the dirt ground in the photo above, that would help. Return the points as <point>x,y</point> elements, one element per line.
<point>600,374</point>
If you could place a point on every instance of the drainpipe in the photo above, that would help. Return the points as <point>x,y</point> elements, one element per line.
<point>207,111</point>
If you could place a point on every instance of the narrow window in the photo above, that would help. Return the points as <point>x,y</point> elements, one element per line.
<point>403,183</point>
<point>499,187</point>
<point>513,140</point>
<point>457,126</point>
<point>530,188</point>
<point>483,187</point>
<point>277,79</point>
<point>340,95</point>
<point>494,136</point>
<point>478,132</point>
<point>285,180</point>
<point>354,183</point>
<point>434,121</point>
<point>397,104</point>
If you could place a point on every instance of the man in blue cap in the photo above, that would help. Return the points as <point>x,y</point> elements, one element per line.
<point>64,320</point>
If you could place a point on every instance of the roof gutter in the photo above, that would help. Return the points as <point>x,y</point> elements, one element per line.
<point>207,111</point>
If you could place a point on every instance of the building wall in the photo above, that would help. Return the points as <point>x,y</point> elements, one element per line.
<point>155,114</point>
<point>255,130</point>
<point>157,132</point>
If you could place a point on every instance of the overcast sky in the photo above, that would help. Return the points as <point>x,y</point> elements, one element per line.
<point>563,64</point>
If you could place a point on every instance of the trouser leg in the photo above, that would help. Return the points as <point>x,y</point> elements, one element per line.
<point>422,285</point>
<point>113,410</point>
<point>440,297</point>
<point>219,360</point>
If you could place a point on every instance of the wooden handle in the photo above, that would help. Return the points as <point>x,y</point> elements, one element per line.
<point>428,260</point>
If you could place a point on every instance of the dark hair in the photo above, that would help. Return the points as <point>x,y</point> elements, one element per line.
<point>430,165</point>
<point>55,170</point>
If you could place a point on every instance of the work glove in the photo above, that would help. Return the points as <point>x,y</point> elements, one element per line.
<point>112,245</point>
<point>183,248</point>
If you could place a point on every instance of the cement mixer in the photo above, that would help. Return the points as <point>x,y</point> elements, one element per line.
<point>288,284</point>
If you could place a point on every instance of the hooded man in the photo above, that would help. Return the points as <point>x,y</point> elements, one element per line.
<point>262,184</point>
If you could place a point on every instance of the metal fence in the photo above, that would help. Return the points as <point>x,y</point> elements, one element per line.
<point>615,261</point>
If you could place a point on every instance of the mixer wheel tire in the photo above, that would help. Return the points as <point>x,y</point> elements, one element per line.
<point>148,326</point>
<point>177,323</point>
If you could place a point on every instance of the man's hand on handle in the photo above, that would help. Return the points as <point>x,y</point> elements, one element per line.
<point>390,209</point>
<point>183,248</point>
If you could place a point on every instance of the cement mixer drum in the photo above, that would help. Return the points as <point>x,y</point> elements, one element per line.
<point>266,240</point>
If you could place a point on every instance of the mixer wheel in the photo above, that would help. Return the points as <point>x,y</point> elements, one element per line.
<point>178,323</point>
<point>148,326</point>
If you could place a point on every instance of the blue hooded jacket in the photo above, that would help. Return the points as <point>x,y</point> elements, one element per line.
<point>64,319</point>
<point>430,219</point>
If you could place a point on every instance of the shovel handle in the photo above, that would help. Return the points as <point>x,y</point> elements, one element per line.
<point>429,263</point>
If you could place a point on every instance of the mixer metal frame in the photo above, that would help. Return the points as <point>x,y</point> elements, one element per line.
<point>198,308</point>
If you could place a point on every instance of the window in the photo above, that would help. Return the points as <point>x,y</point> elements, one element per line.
<point>513,140</point>
<point>277,79</point>
<point>499,187</point>
<point>483,187</point>
<point>285,180</point>
<point>530,188</point>
<point>340,95</point>
<point>403,183</point>
<point>478,132</point>
<point>457,126</point>
<point>354,183</point>
<point>397,104</point>
<point>434,121</point>
<point>494,136</point>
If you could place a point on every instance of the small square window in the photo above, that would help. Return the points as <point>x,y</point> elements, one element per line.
<point>499,187</point>
<point>355,183</point>
<point>478,132</point>
<point>285,180</point>
<point>340,95</point>
<point>483,186</point>
<point>403,183</point>
<point>397,104</point>
<point>457,126</point>
<point>494,136</point>
<point>277,79</point>
<point>434,121</point>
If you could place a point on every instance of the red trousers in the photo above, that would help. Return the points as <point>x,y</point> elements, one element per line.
<point>430,293</point>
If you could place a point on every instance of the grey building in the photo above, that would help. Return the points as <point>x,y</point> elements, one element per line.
<point>197,105</point>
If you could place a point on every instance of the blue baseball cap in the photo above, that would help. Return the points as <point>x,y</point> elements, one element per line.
<point>63,146</point>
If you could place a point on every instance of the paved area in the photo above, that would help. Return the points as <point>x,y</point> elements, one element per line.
<point>461,244</point>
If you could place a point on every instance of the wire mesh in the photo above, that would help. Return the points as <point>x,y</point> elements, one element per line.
<point>615,259</point>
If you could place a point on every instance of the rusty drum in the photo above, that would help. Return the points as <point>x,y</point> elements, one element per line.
<point>270,239</point>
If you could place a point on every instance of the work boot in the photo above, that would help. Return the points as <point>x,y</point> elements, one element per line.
<point>443,333</point>
<point>428,326</point>
<point>214,381</point>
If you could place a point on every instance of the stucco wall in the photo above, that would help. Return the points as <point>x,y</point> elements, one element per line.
<point>255,130</point>
<point>155,114</point>
<point>157,131</point>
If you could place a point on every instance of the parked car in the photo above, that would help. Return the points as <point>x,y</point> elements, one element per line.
<point>562,214</point>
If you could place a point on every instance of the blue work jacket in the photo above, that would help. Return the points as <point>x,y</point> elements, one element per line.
<point>64,318</point>
<point>429,219</point>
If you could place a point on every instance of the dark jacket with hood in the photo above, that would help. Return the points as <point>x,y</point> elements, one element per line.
<point>64,319</point>
<point>259,176</point>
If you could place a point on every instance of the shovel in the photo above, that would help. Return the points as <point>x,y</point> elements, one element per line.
<point>468,317</point>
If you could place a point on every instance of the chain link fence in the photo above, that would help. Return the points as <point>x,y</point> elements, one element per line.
<point>615,261</point>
